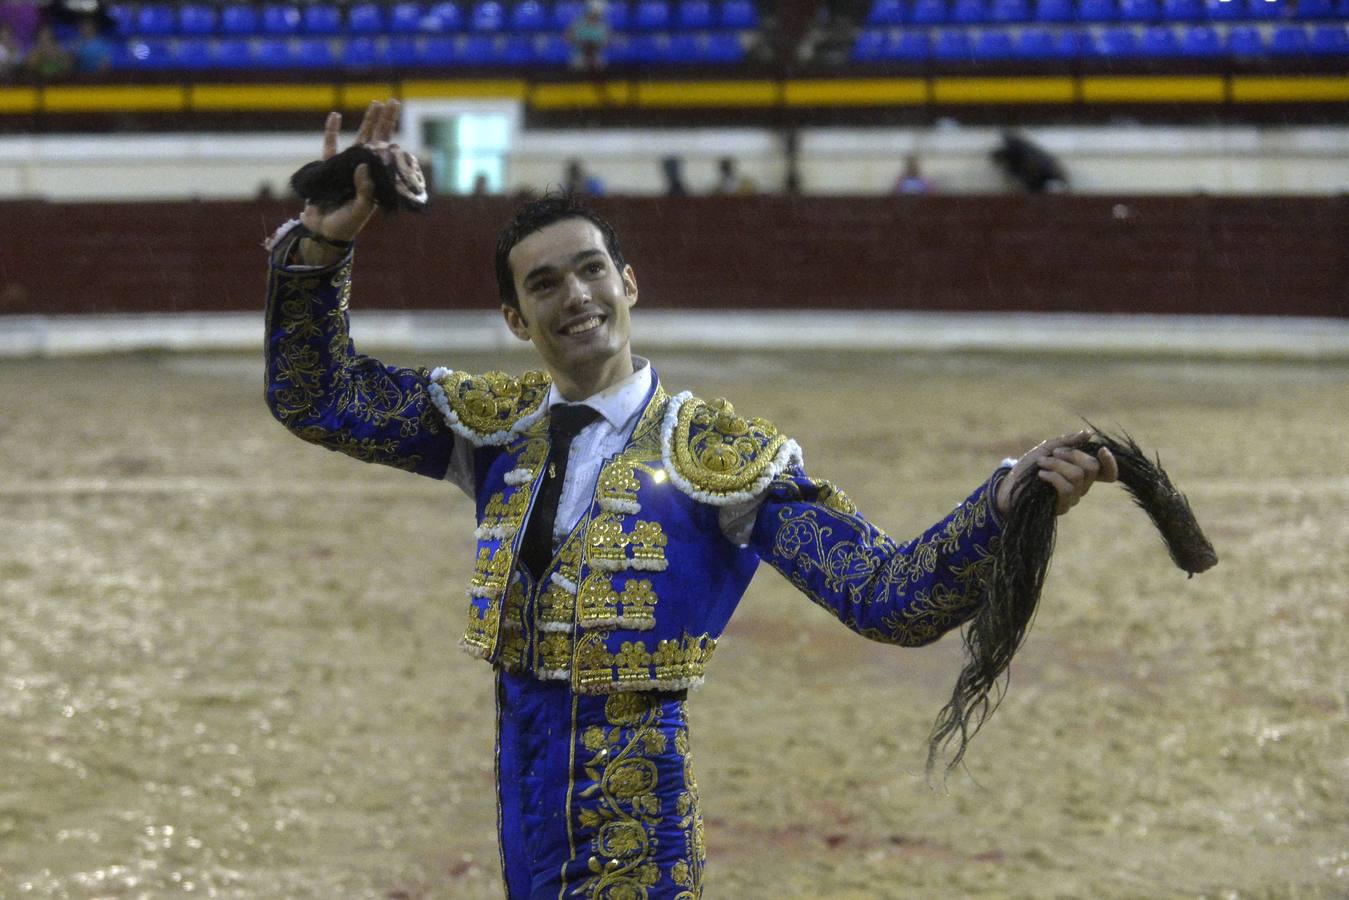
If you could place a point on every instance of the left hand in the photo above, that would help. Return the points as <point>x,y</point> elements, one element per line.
<point>1071,472</point>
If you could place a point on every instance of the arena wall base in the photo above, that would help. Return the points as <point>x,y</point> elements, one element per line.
<point>1235,337</point>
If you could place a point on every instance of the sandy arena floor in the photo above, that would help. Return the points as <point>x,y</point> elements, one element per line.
<point>228,664</point>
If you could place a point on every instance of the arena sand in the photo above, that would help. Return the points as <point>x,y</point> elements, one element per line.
<point>228,663</point>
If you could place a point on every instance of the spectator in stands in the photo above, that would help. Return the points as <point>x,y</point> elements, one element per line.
<point>589,36</point>
<point>481,186</point>
<point>581,182</point>
<point>672,167</point>
<point>91,50</point>
<point>11,51</point>
<point>47,58</point>
<point>729,180</point>
<point>1030,165</point>
<point>911,180</point>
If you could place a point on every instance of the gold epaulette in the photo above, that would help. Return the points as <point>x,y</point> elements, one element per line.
<point>718,457</point>
<point>491,408</point>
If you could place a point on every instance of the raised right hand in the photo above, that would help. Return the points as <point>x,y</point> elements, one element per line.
<point>345,222</point>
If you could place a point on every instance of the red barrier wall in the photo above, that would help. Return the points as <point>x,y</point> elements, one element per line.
<point>1266,256</point>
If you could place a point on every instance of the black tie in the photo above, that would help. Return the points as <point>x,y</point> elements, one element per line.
<point>566,422</point>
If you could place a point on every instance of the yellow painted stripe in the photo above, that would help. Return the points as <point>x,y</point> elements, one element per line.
<point>359,96</point>
<point>433,90</point>
<point>580,95</point>
<point>1003,90</point>
<point>856,92</point>
<point>18,100</point>
<point>1290,90</point>
<point>1181,89</point>
<point>110,98</point>
<point>707,93</point>
<point>262,96</point>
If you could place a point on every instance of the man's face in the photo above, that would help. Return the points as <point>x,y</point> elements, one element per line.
<point>574,302</point>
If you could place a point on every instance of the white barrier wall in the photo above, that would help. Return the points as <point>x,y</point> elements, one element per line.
<point>1127,159</point>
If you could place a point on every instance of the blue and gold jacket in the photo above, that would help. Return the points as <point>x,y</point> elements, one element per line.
<point>639,592</point>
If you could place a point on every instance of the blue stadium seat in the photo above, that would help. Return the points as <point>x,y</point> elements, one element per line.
<point>148,54</point>
<point>528,17</point>
<point>1053,10</point>
<point>651,15</point>
<point>271,53</point>
<point>740,14</point>
<point>405,17</point>
<point>1201,40</point>
<point>312,53</point>
<point>565,12</point>
<point>1160,42</point>
<point>401,51</point>
<point>1224,10</point>
<point>993,44</point>
<point>437,50</point>
<point>969,12</point>
<point>1035,43</point>
<point>487,16</point>
<point>1244,41</point>
<point>1267,9</point>
<point>886,12</point>
<point>155,20</point>
<point>724,47</point>
<point>365,18</point>
<point>684,49</point>
<point>123,19</point>
<point>233,53</point>
<point>928,12</point>
<point>617,14</point>
<point>869,46</point>
<point>361,52</point>
<point>196,20</point>
<point>1117,42</point>
<point>910,47</point>
<point>193,54</point>
<point>619,50</point>
<point>516,50</point>
<point>694,15</point>
<point>1009,11</point>
<point>1142,11</point>
<point>1328,40</point>
<point>442,18</point>
<point>1096,11</point>
<point>1182,10</point>
<point>649,49</point>
<point>238,20</point>
<point>1315,9</point>
<point>953,45</point>
<point>1288,40</point>
<point>552,50</point>
<point>280,19</point>
<point>320,18</point>
<point>478,50</point>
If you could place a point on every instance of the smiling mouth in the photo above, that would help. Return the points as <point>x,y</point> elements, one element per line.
<point>583,326</point>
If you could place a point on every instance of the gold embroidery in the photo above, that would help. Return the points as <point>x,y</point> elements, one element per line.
<point>353,390</point>
<point>481,634</point>
<point>719,452</point>
<point>617,487</point>
<point>513,644</point>
<point>672,665</point>
<point>494,401</point>
<point>554,649</point>
<point>598,605</point>
<point>626,808</point>
<point>607,544</point>
<point>490,572</point>
<point>688,873</point>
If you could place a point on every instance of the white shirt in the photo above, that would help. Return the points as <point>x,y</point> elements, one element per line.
<point>620,406</point>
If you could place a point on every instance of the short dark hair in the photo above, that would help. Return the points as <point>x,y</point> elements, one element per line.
<point>536,215</point>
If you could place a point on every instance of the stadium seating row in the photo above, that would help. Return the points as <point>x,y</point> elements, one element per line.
<point>196,54</point>
<point>413,17</point>
<point>1113,42</point>
<point>976,12</point>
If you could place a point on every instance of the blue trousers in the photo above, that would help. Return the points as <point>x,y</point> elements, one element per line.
<point>596,797</point>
